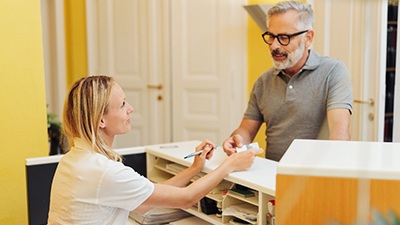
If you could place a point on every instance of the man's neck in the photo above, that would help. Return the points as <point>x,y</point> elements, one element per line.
<point>297,67</point>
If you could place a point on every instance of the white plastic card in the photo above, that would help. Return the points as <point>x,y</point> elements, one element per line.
<point>248,146</point>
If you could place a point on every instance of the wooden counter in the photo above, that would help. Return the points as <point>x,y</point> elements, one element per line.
<point>337,182</point>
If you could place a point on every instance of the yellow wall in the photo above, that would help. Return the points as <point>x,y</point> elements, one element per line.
<point>75,32</point>
<point>23,132</point>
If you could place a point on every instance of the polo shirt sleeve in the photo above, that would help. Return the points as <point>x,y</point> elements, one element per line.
<point>340,90</point>
<point>122,187</point>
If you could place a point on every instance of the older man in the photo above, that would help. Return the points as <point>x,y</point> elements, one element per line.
<point>301,93</point>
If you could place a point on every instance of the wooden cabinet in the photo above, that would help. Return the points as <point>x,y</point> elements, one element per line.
<point>241,195</point>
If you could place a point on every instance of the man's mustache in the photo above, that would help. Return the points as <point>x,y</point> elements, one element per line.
<point>276,52</point>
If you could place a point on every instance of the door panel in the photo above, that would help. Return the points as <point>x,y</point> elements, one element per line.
<point>119,46</point>
<point>208,68</point>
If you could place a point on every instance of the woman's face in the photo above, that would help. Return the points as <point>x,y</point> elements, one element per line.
<point>116,120</point>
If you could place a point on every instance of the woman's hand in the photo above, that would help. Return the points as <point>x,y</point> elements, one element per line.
<point>208,149</point>
<point>184,177</point>
<point>242,160</point>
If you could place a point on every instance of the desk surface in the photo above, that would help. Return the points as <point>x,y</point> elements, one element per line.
<point>353,159</point>
<point>261,176</point>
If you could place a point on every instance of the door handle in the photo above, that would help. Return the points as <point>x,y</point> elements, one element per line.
<point>370,101</point>
<point>155,86</point>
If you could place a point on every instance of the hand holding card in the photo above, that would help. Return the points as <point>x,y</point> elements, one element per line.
<point>248,146</point>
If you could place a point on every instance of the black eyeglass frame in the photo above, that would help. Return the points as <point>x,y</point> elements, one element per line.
<point>281,35</point>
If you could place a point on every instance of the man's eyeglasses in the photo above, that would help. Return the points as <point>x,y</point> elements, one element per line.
<point>283,39</point>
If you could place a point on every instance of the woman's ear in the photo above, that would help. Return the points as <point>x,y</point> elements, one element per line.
<point>102,124</point>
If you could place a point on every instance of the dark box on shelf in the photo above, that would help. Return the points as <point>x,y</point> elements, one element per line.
<point>208,206</point>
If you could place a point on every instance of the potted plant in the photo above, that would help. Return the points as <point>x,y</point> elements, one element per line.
<point>54,134</point>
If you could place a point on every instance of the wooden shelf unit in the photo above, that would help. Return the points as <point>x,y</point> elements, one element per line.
<point>164,163</point>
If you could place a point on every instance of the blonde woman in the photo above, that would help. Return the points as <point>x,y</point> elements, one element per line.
<point>92,186</point>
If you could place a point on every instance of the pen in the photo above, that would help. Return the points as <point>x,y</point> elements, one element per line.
<point>196,153</point>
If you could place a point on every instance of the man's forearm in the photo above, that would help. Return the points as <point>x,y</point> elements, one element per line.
<point>247,138</point>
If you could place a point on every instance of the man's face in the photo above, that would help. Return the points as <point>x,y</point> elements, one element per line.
<point>284,57</point>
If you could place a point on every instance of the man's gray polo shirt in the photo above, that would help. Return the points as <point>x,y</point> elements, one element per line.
<point>296,108</point>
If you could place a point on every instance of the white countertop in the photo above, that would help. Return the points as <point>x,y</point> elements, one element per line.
<point>352,159</point>
<point>261,176</point>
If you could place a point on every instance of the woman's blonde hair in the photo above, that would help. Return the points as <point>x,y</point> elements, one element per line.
<point>84,108</point>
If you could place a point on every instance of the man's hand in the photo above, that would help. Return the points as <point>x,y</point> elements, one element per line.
<point>231,143</point>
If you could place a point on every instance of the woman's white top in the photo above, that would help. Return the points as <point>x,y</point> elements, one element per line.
<point>89,188</point>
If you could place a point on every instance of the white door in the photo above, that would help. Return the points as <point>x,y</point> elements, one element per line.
<point>121,43</point>
<point>355,32</point>
<point>208,68</point>
<point>182,65</point>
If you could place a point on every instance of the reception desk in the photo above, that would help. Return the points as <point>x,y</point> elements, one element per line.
<point>337,182</point>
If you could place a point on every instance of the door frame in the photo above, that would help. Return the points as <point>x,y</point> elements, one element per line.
<point>396,111</point>
<point>53,28</point>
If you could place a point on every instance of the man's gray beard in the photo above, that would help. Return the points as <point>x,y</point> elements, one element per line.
<point>291,59</point>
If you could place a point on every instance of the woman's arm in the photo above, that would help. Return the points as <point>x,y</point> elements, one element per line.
<point>185,197</point>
